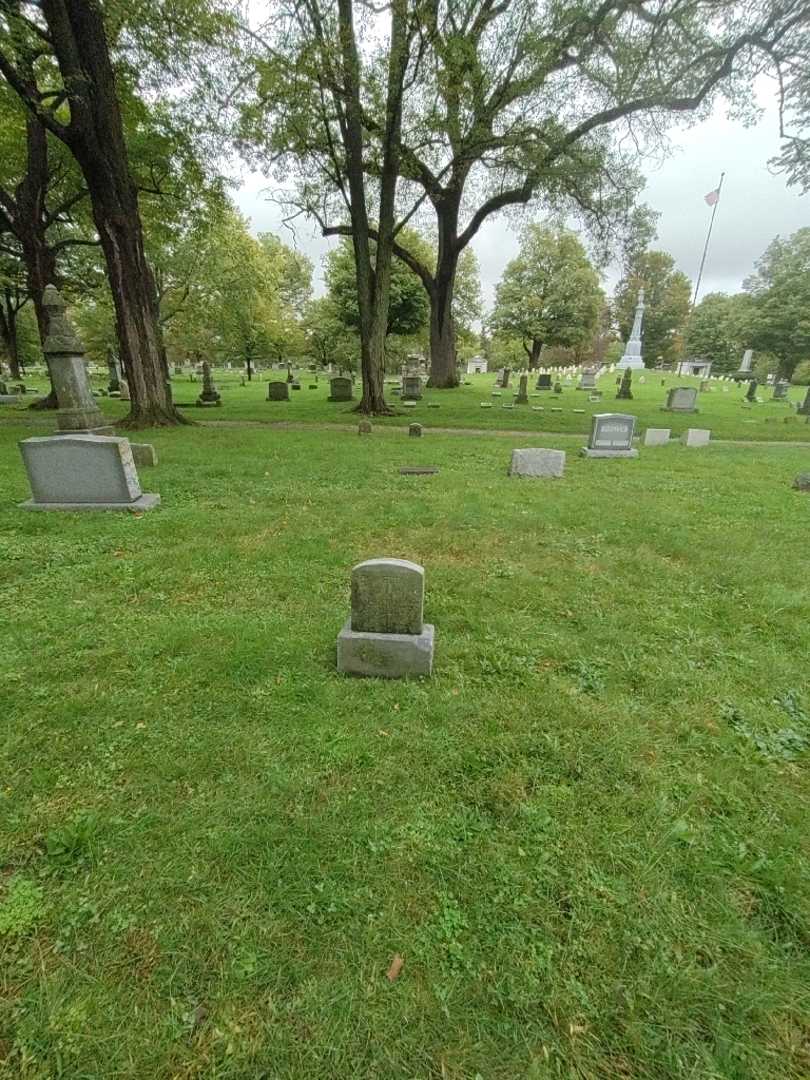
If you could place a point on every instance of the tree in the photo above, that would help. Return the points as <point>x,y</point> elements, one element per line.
<point>549,294</point>
<point>780,290</point>
<point>519,100</point>
<point>667,295</point>
<point>314,80</point>
<point>720,329</point>
<point>408,305</point>
<point>58,57</point>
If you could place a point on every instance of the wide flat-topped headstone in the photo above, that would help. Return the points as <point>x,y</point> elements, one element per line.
<point>682,399</point>
<point>83,472</point>
<point>537,462</point>
<point>340,389</point>
<point>696,437</point>
<point>611,436</point>
<point>278,391</point>
<point>385,635</point>
<point>587,380</point>
<point>656,436</point>
<point>388,596</point>
<point>543,382</point>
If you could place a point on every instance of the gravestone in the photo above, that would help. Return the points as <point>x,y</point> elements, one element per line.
<point>278,391</point>
<point>209,394</point>
<point>114,372</point>
<point>83,472</point>
<point>340,389</point>
<point>780,390</point>
<point>802,482</point>
<point>558,387</point>
<point>587,380</point>
<point>624,393</point>
<point>522,396</point>
<point>415,431</point>
<point>611,436</point>
<point>64,354</point>
<point>364,427</point>
<point>385,634</point>
<point>543,382</point>
<point>411,388</point>
<point>751,393</point>
<point>696,437</point>
<point>124,392</point>
<point>537,462</point>
<point>143,454</point>
<point>804,408</point>
<point>744,370</point>
<point>681,399</point>
<point>657,436</point>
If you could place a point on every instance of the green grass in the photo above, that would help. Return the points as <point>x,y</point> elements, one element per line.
<point>724,413</point>
<point>586,835</point>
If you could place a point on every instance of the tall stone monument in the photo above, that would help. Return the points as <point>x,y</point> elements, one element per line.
<point>632,352</point>
<point>744,371</point>
<point>64,354</point>
<point>209,395</point>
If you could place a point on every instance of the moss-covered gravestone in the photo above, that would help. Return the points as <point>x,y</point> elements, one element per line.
<point>64,354</point>
<point>209,394</point>
<point>385,635</point>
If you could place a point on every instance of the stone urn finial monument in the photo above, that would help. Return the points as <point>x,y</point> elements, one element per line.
<point>632,351</point>
<point>64,354</point>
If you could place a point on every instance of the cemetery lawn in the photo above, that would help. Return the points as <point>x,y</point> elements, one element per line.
<point>586,837</point>
<point>723,413</point>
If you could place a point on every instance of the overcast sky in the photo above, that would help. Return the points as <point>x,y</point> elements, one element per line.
<point>755,205</point>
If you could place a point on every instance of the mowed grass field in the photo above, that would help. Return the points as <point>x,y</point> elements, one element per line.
<point>586,837</point>
<point>724,413</point>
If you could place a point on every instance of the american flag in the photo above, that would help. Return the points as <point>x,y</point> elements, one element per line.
<point>712,197</point>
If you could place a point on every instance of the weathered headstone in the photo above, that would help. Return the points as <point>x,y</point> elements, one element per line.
<point>385,635</point>
<point>114,371</point>
<point>611,436</point>
<point>537,462</point>
<point>278,391</point>
<point>143,454</point>
<point>780,390</point>
<point>804,408</point>
<point>751,393</point>
<point>415,431</point>
<point>411,388</point>
<point>681,399</point>
<point>624,393</point>
<point>83,472</point>
<point>340,389</point>
<point>696,437</point>
<point>209,394</point>
<point>558,387</point>
<point>124,392</point>
<point>364,427</point>
<point>522,396</point>
<point>657,436</point>
<point>802,482</point>
<point>587,380</point>
<point>64,354</point>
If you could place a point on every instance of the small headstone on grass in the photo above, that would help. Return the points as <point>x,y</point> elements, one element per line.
<point>522,396</point>
<point>143,454</point>
<point>578,410</point>
<point>538,408</point>
<point>611,436</point>
<point>364,427</point>
<point>340,389</point>
<point>696,437</point>
<point>278,391</point>
<point>681,399</point>
<point>537,462</point>
<point>408,404</point>
<point>555,409</point>
<point>496,393</point>
<point>418,470</point>
<point>802,482</point>
<point>415,431</point>
<point>657,436</point>
<point>83,472</point>
<point>385,635</point>
<point>486,405</point>
<point>558,387</point>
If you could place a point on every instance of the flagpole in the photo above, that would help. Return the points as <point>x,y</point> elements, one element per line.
<point>708,238</point>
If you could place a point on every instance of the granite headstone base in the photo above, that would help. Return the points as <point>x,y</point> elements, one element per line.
<point>385,656</point>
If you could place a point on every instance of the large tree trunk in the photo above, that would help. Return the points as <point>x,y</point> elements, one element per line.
<point>8,333</point>
<point>443,360</point>
<point>96,139</point>
<point>534,355</point>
